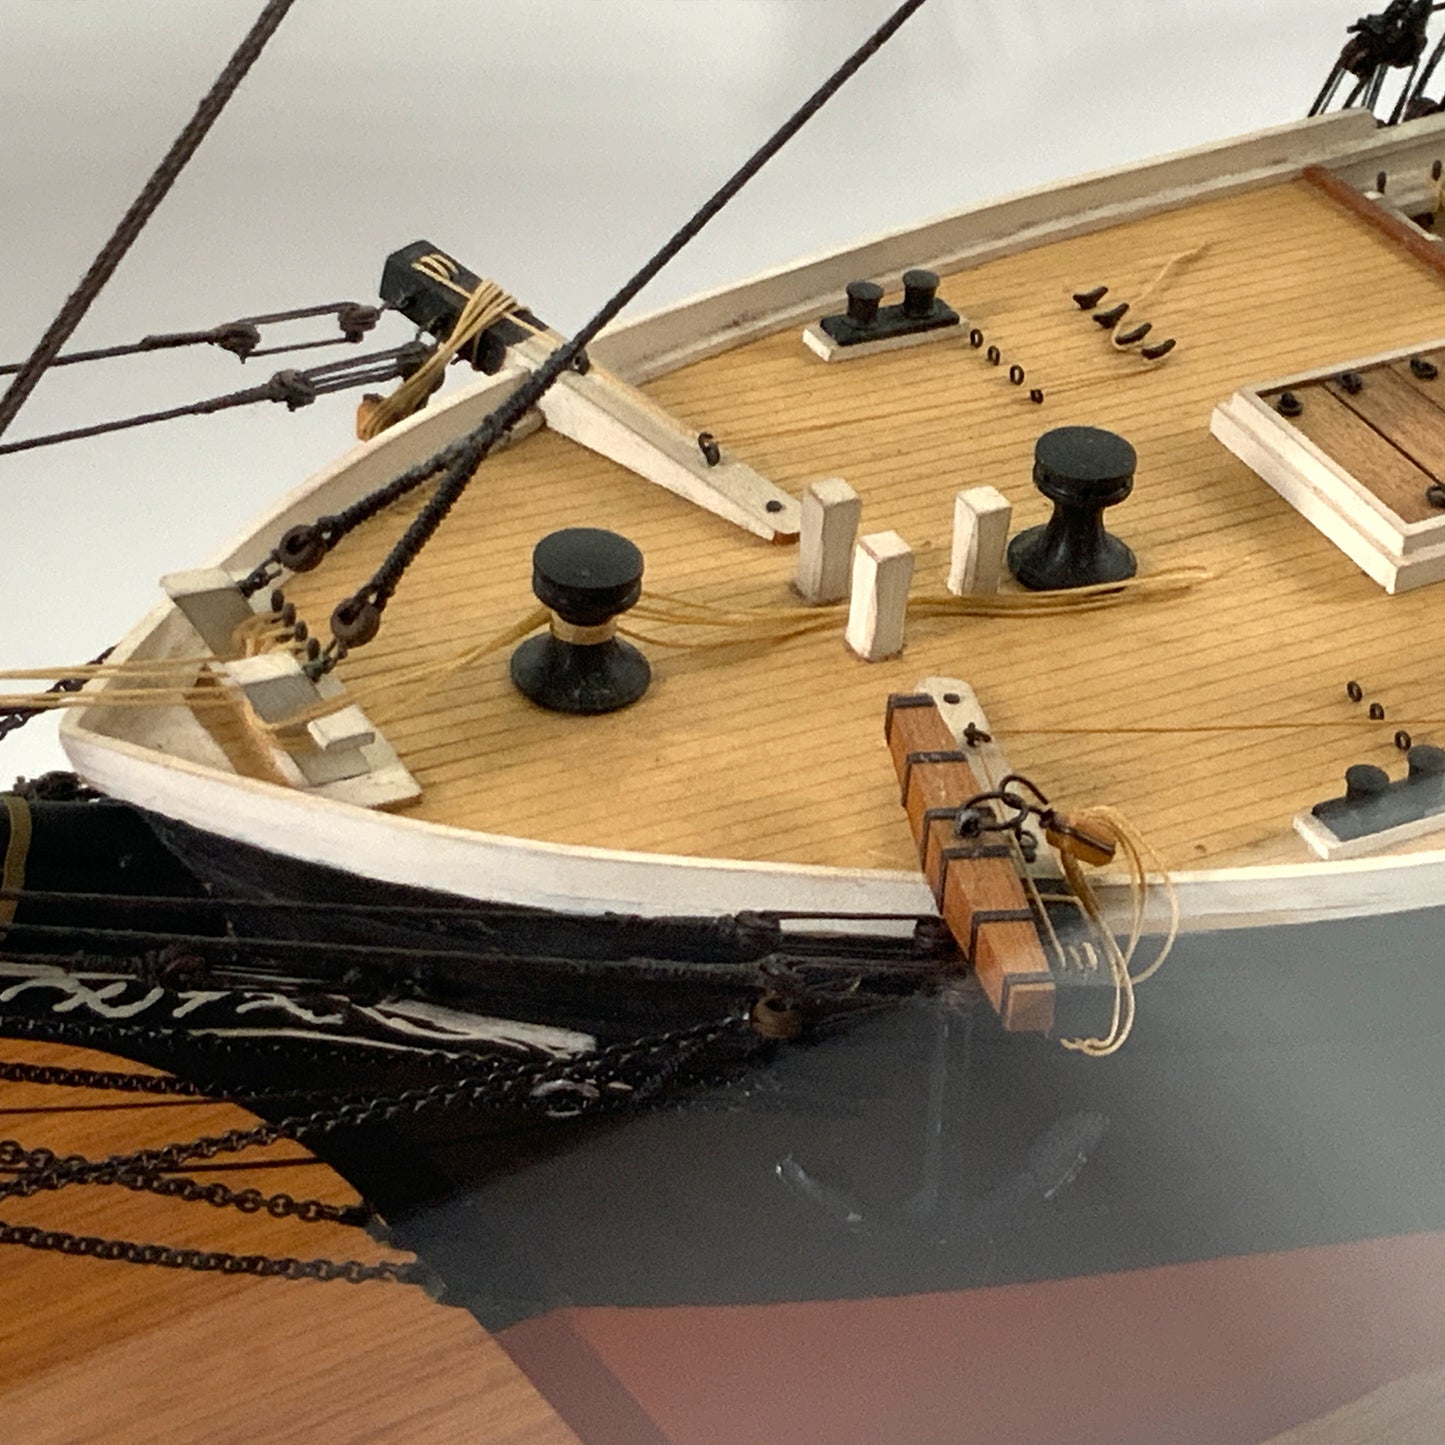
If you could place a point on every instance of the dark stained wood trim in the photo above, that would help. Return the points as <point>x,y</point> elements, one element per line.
<point>1401,232</point>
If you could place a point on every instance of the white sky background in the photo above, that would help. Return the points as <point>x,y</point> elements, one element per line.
<point>550,144</point>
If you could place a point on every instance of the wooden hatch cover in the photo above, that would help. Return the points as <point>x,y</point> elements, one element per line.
<point>975,881</point>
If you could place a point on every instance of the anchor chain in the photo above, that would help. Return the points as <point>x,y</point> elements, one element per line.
<point>212,1261</point>
<point>39,1169</point>
<point>615,1077</point>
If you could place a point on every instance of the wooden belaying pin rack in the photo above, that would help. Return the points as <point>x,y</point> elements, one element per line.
<point>975,882</point>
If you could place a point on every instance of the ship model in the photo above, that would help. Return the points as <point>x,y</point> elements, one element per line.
<point>966,615</point>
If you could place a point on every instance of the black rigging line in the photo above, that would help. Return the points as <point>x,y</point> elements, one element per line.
<point>240,337</point>
<point>134,220</point>
<point>295,388</point>
<point>356,618</point>
<point>1422,82</point>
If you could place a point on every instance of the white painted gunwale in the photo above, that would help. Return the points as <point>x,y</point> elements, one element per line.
<point>497,868</point>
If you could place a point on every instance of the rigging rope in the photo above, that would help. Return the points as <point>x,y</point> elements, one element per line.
<point>134,220</point>
<point>240,337</point>
<point>295,388</point>
<point>356,618</point>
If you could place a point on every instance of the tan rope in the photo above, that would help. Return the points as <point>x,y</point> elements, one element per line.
<point>148,697</point>
<point>421,681</point>
<point>1165,272</point>
<point>161,667</point>
<point>487,305</point>
<point>260,633</point>
<point>779,623</point>
<point>1141,858</point>
<point>17,850</point>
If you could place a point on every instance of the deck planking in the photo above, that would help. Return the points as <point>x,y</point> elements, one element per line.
<point>775,753</point>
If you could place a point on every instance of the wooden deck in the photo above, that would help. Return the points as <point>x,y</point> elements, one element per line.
<point>776,752</point>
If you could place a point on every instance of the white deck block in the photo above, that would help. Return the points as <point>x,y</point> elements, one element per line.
<point>337,731</point>
<point>830,514</point>
<point>822,345</point>
<point>882,575</point>
<point>211,602</point>
<point>277,688</point>
<point>981,520</point>
<point>606,415</point>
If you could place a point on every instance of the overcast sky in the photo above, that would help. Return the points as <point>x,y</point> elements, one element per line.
<point>549,144</point>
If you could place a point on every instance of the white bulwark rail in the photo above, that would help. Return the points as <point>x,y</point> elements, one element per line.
<point>166,762</point>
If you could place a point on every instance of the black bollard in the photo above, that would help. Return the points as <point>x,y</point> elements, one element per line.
<point>920,292</point>
<point>1082,470</point>
<point>863,299</point>
<point>588,577</point>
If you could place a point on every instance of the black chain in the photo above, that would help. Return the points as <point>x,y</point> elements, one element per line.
<point>212,1261</point>
<point>595,1084</point>
<point>559,1090</point>
<point>14,1072</point>
<point>16,717</point>
<point>43,1169</point>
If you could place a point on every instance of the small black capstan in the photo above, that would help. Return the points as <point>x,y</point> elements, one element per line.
<point>1082,470</point>
<point>867,320</point>
<point>588,577</point>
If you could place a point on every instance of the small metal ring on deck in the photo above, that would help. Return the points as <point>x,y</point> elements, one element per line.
<point>1435,494</point>
<point>1037,396</point>
<point>994,355</point>
<point>1403,741</point>
<point>1016,374</point>
<point>709,448</point>
<point>1354,691</point>
<point>975,338</point>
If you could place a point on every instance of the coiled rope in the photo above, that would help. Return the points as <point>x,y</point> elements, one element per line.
<point>1142,861</point>
<point>487,305</point>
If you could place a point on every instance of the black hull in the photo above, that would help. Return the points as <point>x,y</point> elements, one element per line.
<point>107,882</point>
<point>1282,1088</point>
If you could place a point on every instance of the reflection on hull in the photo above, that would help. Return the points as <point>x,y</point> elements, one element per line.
<point>1274,1096</point>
